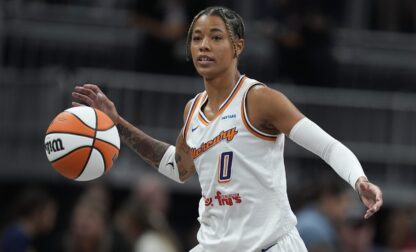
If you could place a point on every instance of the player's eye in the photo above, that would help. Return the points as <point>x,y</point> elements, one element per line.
<point>217,37</point>
<point>196,38</point>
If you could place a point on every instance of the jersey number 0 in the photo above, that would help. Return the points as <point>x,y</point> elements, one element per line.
<point>224,164</point>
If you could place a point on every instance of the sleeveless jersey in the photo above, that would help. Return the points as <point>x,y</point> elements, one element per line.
<point>244,204</point>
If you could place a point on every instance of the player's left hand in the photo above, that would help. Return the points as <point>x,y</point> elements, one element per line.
<point>370,195</point>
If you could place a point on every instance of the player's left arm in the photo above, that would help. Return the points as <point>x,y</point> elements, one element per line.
<point>270,110</point>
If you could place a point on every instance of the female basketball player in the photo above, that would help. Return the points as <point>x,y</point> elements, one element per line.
<point>233,137</point>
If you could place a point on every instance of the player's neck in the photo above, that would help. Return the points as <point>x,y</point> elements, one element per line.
<point>219,88</point>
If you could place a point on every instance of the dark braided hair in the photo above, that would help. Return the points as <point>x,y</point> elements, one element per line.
<point>233,22</point>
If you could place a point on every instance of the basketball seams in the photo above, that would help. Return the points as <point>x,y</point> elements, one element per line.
<point>94,168</point>
<point>104,141</point>
<point>103,119</point>
<point>83,121</point>
<point>72,151</point>
<point>107,128</point>
<point>102,156</point>
<point>66,118</point>
<point>92,145</point>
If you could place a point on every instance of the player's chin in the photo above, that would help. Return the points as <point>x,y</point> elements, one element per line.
<point>206,73</point>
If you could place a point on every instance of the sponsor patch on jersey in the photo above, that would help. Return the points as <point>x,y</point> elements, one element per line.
<point>223,199</point>
<point>228,117</point>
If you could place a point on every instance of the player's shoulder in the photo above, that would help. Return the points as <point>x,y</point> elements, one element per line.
<point>267,102</point>
<point>261,92</point>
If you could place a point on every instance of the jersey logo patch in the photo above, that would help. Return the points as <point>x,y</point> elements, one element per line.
<point>228,117</point>
<point>223,135</point>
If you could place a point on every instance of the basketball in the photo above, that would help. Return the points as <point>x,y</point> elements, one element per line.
<point>82,143</point>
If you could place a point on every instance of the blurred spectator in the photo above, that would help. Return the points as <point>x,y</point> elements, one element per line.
<point>154,240</point>
<point>89,229</point>
<point>302,30</point>
<point>35,215</point>
<point>355,233</point>
<point>130,221</point>
<point>152,193</point>
<point>395,15</point>
<point>284,25</point>
<point>399,230</point>
<point>133,223</point>
<point>99,193</point>
<point>318,221</point>
<point>162,23</point>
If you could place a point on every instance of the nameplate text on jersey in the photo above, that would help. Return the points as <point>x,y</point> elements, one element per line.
<point>223,135</point>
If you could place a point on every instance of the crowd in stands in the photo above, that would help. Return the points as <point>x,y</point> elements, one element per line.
<point>100,219</point>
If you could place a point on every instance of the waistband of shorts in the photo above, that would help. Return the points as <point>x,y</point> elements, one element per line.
<point>291,231</point>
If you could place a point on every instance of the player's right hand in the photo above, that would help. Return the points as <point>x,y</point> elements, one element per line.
<point>91,95</point>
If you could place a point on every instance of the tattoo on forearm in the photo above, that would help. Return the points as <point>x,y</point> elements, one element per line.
<point>148,148</point>
<point>178,158</point>
<point>182,170</point>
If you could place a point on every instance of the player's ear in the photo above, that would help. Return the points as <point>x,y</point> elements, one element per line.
<point>239,46</point>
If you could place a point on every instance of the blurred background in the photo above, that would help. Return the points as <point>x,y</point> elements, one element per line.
<point>348,65</point>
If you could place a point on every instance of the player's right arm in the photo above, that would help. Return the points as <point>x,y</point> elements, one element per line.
<point>183,155</point>
<point>149,149</point>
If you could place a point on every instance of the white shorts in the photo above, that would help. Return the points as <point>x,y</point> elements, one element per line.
<point>291,242</point>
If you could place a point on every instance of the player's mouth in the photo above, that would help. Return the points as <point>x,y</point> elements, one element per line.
<point>204,60</point>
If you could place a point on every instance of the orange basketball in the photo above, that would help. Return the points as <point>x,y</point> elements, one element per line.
<point>82,143</point>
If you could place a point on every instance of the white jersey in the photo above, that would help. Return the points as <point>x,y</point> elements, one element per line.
<point>244,204</point>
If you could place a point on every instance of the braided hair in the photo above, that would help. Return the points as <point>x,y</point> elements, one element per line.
<point>233,23</point>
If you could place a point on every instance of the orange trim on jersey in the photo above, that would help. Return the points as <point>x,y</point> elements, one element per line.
<point>201,116</point>
<point>228,101</point>
<point>188,119</point>
<point>248,126</point>
<point>202,119</point>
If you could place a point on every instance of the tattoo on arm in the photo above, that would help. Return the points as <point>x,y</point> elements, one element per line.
<point>182,170</point>
<point>177,158</point>
<point>148,148</point>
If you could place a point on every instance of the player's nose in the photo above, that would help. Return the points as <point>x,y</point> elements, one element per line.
<point>204,45</point>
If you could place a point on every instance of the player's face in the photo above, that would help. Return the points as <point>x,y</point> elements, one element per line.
<point>211,47</point>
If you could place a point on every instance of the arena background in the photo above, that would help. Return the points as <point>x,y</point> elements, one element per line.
<point>348,65</point>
